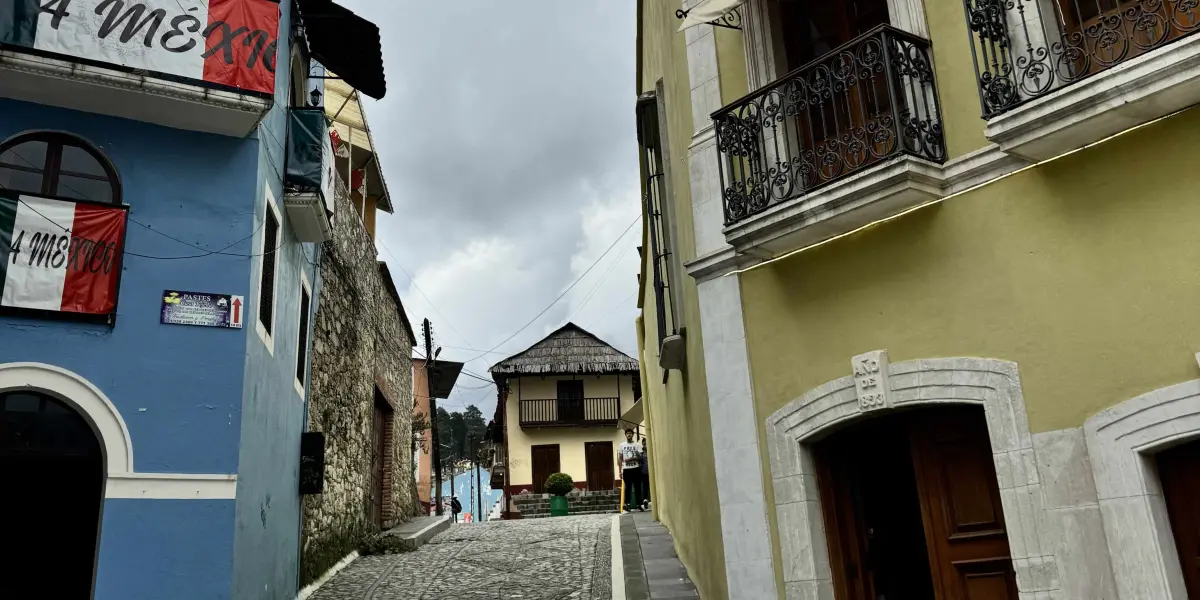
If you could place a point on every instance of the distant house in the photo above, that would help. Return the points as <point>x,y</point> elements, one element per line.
<point>560,407</point>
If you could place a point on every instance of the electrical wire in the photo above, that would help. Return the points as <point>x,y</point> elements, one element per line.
<point>614,308</point>
<point>592,293</point>
<point>413,280</point>
<point>564,292</point>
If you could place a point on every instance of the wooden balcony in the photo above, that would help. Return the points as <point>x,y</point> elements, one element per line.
<point>570,412</point>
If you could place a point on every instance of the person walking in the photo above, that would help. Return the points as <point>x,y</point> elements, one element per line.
<point>645,479</point>
<point>629,457</point>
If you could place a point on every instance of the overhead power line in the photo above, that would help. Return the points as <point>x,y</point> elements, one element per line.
<point>564,292</point>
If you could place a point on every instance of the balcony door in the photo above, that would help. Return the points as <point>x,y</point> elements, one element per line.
<point>841,100</point>
<point>809,30</point>
<point>570,401</point>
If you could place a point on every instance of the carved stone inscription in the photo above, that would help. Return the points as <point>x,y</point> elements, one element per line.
<point>871,380</point>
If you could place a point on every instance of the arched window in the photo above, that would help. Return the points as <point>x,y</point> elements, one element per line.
<point>58,165</point>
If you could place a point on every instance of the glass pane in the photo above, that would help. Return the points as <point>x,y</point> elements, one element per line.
<point>29,154</point>
<point>77,160</point>
<point>20,181</point>
<point>22,403</point>
<point>82,188</point>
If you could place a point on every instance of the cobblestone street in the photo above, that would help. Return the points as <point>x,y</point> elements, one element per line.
<point>536,559</point>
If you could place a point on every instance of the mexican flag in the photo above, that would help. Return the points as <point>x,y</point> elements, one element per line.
<point>228,42</point>
<point>59,256</point>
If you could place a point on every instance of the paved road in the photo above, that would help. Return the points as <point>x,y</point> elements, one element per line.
<point>535,559</point>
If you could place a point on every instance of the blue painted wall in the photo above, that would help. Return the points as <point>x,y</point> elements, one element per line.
<point>165,550</point>
<point>178,388</point>
<point>267,539</point>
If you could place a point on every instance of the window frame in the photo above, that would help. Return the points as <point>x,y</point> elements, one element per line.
<point>303,335</point>
<point>657,202</point>
<point>266,336</point>
<point>51,169</point>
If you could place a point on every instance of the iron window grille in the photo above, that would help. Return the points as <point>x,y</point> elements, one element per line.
<point>867,101</point>
<point>1025,49</point>
<point>660,253</point>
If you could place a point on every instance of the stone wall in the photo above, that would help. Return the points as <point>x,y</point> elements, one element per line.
<point>361,357</point>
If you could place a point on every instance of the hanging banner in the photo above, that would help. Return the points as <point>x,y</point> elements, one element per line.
<point>60,256</point>
<point>227,42</point>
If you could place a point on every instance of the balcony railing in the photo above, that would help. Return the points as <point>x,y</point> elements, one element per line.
<point>862,103</point>
<point>567,412</point>
<point>1025,49</point>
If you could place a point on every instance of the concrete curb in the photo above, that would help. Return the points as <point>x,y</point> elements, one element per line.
<point>618,561</point>
<point>419,531</point>
<point>312,588</point>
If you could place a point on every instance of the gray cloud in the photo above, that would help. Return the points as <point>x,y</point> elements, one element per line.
<point>507,140</point>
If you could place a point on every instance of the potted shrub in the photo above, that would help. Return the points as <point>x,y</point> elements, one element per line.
<point>558,486</point>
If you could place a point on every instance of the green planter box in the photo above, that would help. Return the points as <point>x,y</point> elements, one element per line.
<point>558,506</point>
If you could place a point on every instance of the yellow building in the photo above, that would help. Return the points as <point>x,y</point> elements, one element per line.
<point>935,333</point>
<point>561,402</point>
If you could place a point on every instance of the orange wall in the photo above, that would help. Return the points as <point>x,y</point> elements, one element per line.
<point>421,405</point>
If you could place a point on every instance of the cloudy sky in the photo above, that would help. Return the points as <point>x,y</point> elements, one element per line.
<point>507,140</point>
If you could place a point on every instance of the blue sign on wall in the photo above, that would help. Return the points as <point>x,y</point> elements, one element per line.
<point>205,310</point>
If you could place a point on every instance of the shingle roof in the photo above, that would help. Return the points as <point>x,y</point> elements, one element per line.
<point>569,350</point>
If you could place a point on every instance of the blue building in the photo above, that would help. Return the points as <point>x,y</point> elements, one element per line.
<point>158,270</point>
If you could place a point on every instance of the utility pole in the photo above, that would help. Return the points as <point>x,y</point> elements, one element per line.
<point>471,482</point>
<point>427,329</point>
<point>479,486</point>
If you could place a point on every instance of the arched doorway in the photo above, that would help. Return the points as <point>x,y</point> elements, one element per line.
<point>53,469</point>
<point>912,508</point>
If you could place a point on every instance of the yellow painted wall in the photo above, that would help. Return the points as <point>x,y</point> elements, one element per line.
<point>682,471</point>
<point>570,440</point>
<point>1085,271</point>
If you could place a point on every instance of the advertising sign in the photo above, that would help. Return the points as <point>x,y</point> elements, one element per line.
<point>228,42</point>
<point>204,310</point>
<point>60,256</point>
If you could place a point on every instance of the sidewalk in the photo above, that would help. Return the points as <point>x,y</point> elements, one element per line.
<point>652,569</point>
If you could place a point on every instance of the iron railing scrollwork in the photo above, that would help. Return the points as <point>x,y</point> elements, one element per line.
<point>1025,49</point>
<point>864,102</point>
<point>729,20</point>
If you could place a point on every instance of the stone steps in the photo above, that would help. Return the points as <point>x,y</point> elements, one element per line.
<point>533,506</point>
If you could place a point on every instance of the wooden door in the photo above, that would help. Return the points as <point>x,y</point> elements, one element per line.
<point>570,401</point>
<point>378,422</point>
<point>1179,471</point>
<point>545,463</point>
<point>600,470</point>
<point>960,502</point>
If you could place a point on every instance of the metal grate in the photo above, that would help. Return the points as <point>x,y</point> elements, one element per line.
<point>868,100</point>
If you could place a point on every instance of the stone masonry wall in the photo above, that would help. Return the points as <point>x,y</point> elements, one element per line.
<point>360,345</point>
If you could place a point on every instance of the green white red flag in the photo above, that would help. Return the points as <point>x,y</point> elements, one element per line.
<point>60,256</point>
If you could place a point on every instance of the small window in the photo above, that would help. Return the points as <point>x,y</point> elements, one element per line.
<point>654,188</point>
<point>267,277</point>
<point>58,165</point>
<point>302,344</point>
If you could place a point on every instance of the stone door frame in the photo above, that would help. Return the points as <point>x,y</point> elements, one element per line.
<point>1122,441</point>
<point>877,386</point>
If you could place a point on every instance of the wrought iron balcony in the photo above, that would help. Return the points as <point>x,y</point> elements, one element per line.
<point>570,412</point>
<point>1025,49</point>
<point>859,105</point>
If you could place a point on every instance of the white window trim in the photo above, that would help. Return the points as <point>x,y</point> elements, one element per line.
<point>267,338</point>
<point>302,353</point>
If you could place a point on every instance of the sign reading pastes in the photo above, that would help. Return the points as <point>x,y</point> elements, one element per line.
<point>228,42</point>
<point>205,310</point>
<point>59,256</point>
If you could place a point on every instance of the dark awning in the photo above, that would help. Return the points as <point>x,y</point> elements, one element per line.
<point>442,376</point>
<point>346,44</point>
